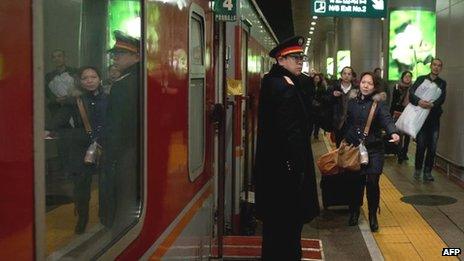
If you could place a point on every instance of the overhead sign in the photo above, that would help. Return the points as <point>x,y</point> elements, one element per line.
<point>225,10</point>
<point>350,8</point>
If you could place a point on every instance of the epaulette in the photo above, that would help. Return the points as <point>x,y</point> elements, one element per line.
<point>289,81</point>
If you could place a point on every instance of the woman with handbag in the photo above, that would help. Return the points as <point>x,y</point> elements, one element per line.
<point>357,131</point>
<point>399,101</point>
<point>86,110</point>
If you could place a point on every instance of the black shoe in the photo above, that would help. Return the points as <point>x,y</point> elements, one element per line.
<point>80,226</point>
<point>354,216</point>
<point>373,223</point>
<point>428,177</point>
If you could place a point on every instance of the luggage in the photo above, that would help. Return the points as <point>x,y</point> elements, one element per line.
<point>328,163</point>
<point>389,147</point>
<point>335,190</point>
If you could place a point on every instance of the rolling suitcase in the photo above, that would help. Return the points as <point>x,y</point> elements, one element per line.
<point>390,148</point>
<point>335,190</point>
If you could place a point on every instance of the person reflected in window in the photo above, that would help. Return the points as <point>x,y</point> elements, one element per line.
<point>357,114</point>
<point>119,180</point>
<point>400,100</point>
<point>88,124</point>
<point>59,84</point>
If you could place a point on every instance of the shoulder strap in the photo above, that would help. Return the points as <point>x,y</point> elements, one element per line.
<point>83,114</point>
<point>369,119</point>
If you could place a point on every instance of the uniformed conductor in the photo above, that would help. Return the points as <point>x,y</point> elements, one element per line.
<point>119,178</point>
<point>286,195</point>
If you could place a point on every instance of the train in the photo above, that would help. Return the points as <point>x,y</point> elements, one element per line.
<point>199,83</point>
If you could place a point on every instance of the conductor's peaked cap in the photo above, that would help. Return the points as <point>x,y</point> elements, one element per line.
<point>289,46</point>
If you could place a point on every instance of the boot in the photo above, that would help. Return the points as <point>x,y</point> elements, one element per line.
<point>373,223</point>
<point>354,216</point>
<point>83,218</point>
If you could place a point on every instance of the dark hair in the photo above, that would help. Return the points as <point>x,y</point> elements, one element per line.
<point>404,74</point>
<point>377,86</point>
<point>437,59</point>
<point>84,68</point>
<point>346,67</point>
<point>377,69</point>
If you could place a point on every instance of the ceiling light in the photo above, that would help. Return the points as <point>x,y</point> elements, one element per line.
<point>313,23</point>
<point>311,28</point>
<point>315,17</point>
<point>311,32</point>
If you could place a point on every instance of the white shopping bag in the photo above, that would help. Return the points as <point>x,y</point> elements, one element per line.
<point>413,117</point>
<point>62,84</point>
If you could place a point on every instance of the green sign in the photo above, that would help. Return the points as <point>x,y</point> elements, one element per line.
<point>225,10</point>
<point>412,42</point>
<point>350,8</point>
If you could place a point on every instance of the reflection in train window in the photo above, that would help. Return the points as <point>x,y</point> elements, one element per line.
<point>92,131</point>
<point>196,117</point>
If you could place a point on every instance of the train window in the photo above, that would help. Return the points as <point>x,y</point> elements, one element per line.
<point>196,108</point>
<point>93,120</point>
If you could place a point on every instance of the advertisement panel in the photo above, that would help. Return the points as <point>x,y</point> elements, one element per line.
<point>330,67</point>
<point>343,59</point>
<point>412,42</point>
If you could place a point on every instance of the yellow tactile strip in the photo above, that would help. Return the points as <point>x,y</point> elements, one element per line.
<point>403,233</point>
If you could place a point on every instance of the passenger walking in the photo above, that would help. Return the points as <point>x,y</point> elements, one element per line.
<point>357,116</point>
<point>87,110</point>
<point>320,89</point>
<point>427,138</point>
<point>400,99</point>
<point>384,87</point>
<point>286,195</point>
<point>339,94</point>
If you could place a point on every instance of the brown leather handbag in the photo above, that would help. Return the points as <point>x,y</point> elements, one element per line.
<point>349,157</point>
<point>346,157</point>
<point>328,163</point>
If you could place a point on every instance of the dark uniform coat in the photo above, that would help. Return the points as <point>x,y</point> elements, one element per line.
<point>120,175</point>
<point>284,170</point>
<point>357,114</point>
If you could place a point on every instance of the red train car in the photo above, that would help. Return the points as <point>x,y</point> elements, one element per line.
<point>193,159</point>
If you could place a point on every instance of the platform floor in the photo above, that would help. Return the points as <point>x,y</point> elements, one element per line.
<point>407,232</point>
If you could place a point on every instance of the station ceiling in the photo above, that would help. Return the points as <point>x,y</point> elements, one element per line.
<point>289,18</point>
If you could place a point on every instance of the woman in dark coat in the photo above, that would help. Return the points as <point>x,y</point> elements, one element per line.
<point>319,95</point>
<point>368,176</point>
<point>399,101</point>
<point>79,140</point>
